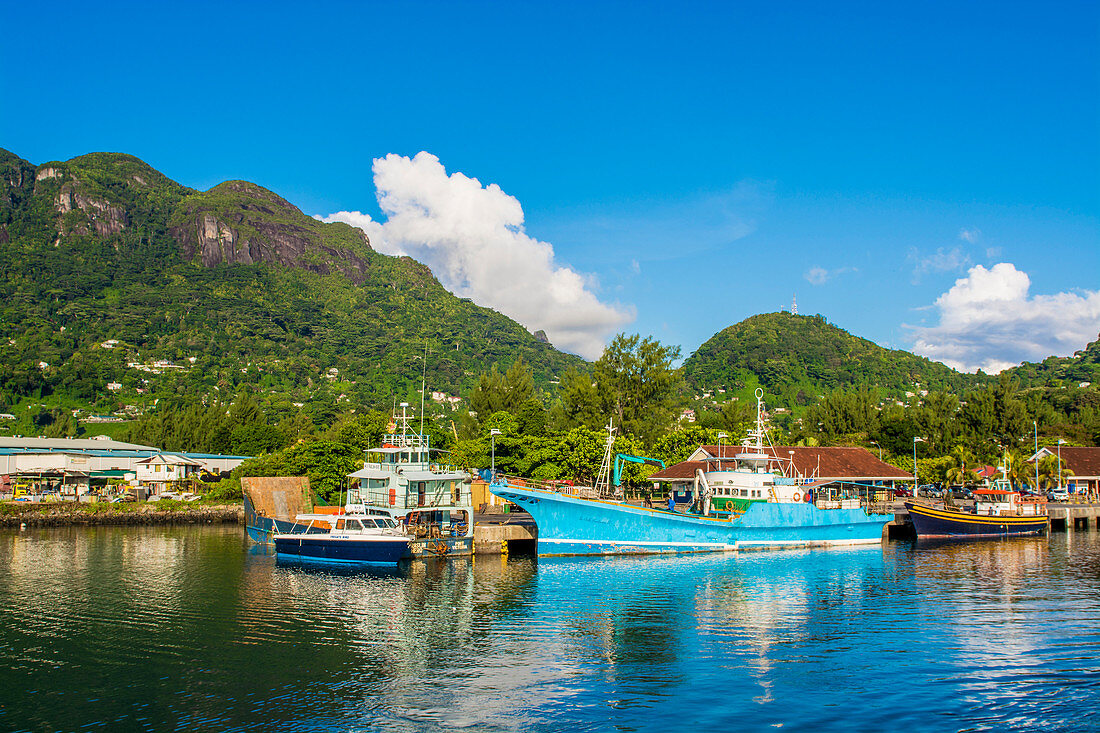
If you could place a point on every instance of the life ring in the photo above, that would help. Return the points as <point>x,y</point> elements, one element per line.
<point>809,498</point>
<point>797,496</point>
<point>729,505</point>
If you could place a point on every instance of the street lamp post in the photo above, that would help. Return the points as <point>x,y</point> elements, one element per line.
<point>1060,443</point>
<point>1035,424</point>
<point>493,433</point>
<point>915,441</point>
<point>875,443</point>
<point>720,436</point>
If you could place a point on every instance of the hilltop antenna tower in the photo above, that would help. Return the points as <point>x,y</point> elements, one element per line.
<point>794,306</point>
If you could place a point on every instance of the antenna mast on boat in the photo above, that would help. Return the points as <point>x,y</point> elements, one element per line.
<point>603,480</point>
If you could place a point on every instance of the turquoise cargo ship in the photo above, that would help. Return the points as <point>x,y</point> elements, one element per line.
<point>779,510</point>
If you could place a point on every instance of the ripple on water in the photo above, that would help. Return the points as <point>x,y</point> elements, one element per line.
<point>184,628</point>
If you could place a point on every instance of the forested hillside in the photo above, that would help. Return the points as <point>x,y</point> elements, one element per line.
<point>796,358</point>
<point>121,287</point>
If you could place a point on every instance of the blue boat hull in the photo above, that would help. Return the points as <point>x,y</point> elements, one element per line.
<point>931,522</point>
<point>569,525</point>
<point>321,548</point>
<point>261,529</point>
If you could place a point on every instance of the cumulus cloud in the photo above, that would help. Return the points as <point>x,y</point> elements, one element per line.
<point>989,321</point>
<point>472,236</point>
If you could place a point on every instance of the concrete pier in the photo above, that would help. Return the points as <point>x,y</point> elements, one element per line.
<point>505,534</point>
<point>1070,517</point>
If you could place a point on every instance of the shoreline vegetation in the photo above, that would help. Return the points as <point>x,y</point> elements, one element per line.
<point>68,513</point>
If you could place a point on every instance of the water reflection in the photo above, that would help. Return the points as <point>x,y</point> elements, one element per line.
<point>183,628</point>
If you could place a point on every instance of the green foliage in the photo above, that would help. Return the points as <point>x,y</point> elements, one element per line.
<point>633,382</point>
<point>676,446</point>
<point>320,318</point>
<point>794,358</point>
<point>495,391</point>
<point>1049,476</point>
<point>326,463</point>
<point>228,490</point>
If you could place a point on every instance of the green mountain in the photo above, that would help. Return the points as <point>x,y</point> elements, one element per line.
<point>795,358</point>
<point>1058,371</point>
<point>122,286</point>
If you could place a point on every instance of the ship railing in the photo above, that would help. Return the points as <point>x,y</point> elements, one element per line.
<point>557,486</point>
<point>406,440</point>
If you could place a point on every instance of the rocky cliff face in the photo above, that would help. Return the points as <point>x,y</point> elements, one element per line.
<point>242,223</point>
<point>102,217</point>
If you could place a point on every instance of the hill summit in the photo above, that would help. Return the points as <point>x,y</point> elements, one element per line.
<point>795,357</point>
<point>124,286</point>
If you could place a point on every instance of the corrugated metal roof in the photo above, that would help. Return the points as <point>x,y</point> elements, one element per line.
<point>63,444</point>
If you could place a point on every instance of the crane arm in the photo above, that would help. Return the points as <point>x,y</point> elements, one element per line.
<point>621,458</point>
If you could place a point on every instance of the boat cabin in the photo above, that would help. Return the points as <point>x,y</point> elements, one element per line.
<point>1004,502</point>
<point>399,476</point>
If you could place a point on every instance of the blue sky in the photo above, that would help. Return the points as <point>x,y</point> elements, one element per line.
<point>925,176</point>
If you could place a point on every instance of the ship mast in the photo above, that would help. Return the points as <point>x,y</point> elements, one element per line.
<point>603,480</point>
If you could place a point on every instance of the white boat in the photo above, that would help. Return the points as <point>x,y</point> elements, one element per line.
<point>350,539</point>
<point>432,501</point>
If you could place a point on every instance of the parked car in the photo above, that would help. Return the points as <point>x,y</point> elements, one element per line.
<point>902,493</point>
<point>1058,495</point>
<point>961,492</point>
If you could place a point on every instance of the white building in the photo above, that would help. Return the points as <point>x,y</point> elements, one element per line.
<point>166,471</point>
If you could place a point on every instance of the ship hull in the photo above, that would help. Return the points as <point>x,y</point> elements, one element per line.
<point>441,547</point>
<point>261,529</point>
<point>930,522</point>
<point>569,525</point>
<point>322,548</point>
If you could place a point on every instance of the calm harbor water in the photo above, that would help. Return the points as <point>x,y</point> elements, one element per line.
<point>187,628</point>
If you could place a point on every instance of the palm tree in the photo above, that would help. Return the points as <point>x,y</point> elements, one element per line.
<point>961,474</point>
<point>1048,473</point>
<point>1017,468</point>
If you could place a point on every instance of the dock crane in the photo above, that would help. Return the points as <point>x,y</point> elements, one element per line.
<point>621,458</point>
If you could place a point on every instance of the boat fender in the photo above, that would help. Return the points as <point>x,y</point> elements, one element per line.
<point>797,496</point>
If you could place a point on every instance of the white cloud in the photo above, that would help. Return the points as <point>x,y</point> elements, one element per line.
<point>989,321</point>
<point>943,260</point>
<point>472,237</point>
<point>970,235</point>
<point>819,275</point>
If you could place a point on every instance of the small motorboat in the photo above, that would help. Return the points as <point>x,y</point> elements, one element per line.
<point>362,539</point>
<point>997,512</point>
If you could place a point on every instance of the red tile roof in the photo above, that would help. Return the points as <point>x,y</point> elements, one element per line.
<point>830,462</point>
<point>1083,462</point>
